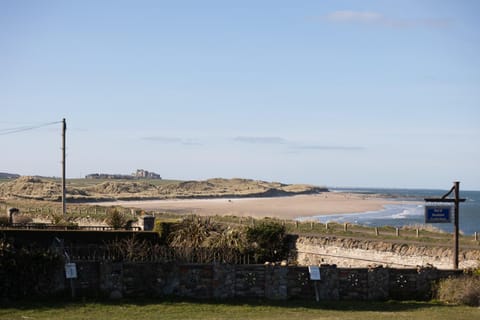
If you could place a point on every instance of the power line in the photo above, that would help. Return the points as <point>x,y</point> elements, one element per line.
<point>26,128</point>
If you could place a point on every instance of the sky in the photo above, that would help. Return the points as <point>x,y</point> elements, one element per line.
<point>336,93</point>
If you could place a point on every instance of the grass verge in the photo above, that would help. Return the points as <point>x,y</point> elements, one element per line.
<point>173,309</point>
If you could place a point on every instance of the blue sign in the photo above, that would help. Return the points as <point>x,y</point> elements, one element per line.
<point>438,214</point>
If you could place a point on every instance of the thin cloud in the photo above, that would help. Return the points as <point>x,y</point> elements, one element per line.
<point>191,142</point>
<point>172,140</point>
<point>354,16</point>
<point>295,146</point>
<point>375,18</point>
<point>163,139</point>
<point>260,140</point>
<point>328,148</point>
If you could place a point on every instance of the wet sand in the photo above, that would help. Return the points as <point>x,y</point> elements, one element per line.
<point>278,207</point>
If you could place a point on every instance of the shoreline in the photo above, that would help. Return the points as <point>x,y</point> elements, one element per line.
<point>289,207</point>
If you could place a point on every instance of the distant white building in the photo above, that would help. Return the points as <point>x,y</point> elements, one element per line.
<point>140,173</point>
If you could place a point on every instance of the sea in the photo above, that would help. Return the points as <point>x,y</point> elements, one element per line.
<point>410,210</point>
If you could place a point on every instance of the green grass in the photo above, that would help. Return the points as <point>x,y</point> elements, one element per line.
<point>150,309</point>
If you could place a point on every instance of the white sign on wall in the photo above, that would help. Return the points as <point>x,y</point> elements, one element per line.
<point>70,270</point>
<point>314,272</point>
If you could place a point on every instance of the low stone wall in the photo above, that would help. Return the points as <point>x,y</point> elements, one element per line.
<point>346,252</point>
<point>216,281</point>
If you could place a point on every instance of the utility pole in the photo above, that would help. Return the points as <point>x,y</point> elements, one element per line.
<point>456,223</point>
<point>64,201</point>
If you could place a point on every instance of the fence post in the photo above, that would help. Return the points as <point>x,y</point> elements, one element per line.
<point>311,225</point>
<point>296,224</point>
<point>418,232</point>
<point>376,231</point>
<point>326,225</point>
<point>476,236</point>
<point>397,232</point>
<point>345,227</point>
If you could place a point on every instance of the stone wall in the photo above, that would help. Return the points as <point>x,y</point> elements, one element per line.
<point>217,281</point>
<point>346,252</point>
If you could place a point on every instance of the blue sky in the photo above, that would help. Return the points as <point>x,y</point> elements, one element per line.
<point>337,93</point>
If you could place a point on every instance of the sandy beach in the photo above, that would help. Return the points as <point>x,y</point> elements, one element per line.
<point>278,207</point>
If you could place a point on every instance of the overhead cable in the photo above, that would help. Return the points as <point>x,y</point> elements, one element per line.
<point>26,128</point>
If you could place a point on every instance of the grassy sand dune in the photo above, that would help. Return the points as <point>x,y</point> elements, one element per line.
<point>98,190</point>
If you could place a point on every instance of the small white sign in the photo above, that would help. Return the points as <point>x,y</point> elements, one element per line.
<point>314,272</point>
<point>70,270</point>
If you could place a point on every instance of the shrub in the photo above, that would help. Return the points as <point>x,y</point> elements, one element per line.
<point>268,241</point>
<point>22,219</point>
<point>231,238</point>
<point>57,219</point>
<point>116,219</point>
<point>193,232</point>
<point>4,220</point>
<point>62,221</point>
<point>163,229</point>
<point>460,290</point>
<point>26,271</point>
<point>129,249</point>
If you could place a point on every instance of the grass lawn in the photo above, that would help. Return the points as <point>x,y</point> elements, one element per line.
<point>296,310</point>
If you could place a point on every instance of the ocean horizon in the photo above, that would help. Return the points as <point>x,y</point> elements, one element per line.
<point>410,210</point>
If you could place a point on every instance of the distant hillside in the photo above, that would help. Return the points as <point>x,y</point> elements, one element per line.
<point>4,175</point>
<point>40,189</point>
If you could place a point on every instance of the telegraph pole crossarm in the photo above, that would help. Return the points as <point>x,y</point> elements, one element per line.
<point>444,200</point>
<point>456,201</point>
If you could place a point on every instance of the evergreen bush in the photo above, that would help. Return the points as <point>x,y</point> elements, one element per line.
<point>268,241</point>
<point>116,219</point>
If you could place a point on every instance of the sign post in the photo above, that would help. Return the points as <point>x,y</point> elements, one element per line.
<point>440,214</point>
<point>71,273</point>
<point>315,276</point>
